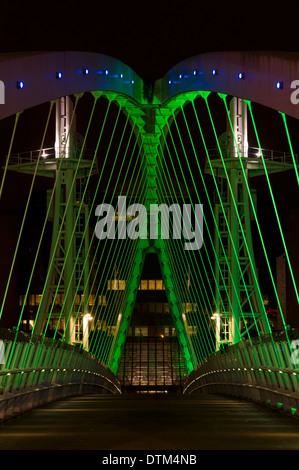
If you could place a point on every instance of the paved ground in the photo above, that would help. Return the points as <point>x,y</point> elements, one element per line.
<point>200,422</point>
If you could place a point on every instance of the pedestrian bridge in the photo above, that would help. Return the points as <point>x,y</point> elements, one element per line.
<point>103,292</point>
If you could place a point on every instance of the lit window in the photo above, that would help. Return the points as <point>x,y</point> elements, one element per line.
<point>141,331</point>
<point>143,285</point>
<point>151,285</point>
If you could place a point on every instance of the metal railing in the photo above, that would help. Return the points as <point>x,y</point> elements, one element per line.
<point>41,372</point>
<point>50,153</point>
<point>255,153</point>
<point>263,373</point>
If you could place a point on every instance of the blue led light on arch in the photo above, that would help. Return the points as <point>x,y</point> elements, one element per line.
<point>58,75</point>
<point>20,85</point>
<point>279,85</point>
<point>241,75</point>
<point>86,71</point>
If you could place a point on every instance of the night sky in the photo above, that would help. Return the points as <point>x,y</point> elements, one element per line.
<point>151,37</point>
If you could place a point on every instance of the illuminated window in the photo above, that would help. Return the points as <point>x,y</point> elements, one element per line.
<point>143,285</point>
<point>141,331</point>
<point>151,285</point>
<point>159,285</point>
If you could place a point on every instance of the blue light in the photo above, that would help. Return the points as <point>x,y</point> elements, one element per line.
<point>106,72</point>
<point>58,75</point>
<point>279,85</point>
<point>214,71</point>
<point>241,75</point>
<point>20,85</point>
<point>85,71</point>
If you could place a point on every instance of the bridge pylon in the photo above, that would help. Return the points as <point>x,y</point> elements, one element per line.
<point>239,304</point>
<point>69,217</point>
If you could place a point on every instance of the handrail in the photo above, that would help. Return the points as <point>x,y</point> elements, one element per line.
<point>257,372</point>
<point>51,374</point>
<point>256,154</point>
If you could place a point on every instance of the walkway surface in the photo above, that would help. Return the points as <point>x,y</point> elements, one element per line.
<point>139,422</point>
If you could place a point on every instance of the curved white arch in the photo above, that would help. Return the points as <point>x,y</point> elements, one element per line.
<point>38,73</point>
<point>262,70</point>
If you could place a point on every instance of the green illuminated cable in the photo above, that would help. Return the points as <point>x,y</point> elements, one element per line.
<point>182,197</point>
<point>51,261</point>
<point>239,221</point>
<point>114,163</point>
<point>120,254</point>
<point>169,257</point>
<point>9,152</point>
<point>192,177</point>
<point>290,145</point>
<point>111,247</point>
<point>188,253</point>
<point>177,268</point>
<point>45,223</point>
<point>60,229</point>
<point>207,154</point>
<point>207,256</point>
<point>108,257</point>
<point>68,249</point>
<point>264,249</point>
<point>26,210</point>
<point>274,204</point>
<point>209,202</point>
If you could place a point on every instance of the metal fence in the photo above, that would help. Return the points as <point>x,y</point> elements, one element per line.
<point>42,372</point>
<point>264,373</point>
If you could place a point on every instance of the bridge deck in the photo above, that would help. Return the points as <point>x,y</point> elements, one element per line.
<point>202,422</point>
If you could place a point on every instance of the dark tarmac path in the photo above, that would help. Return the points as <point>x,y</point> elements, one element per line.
<point>140,422</point>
